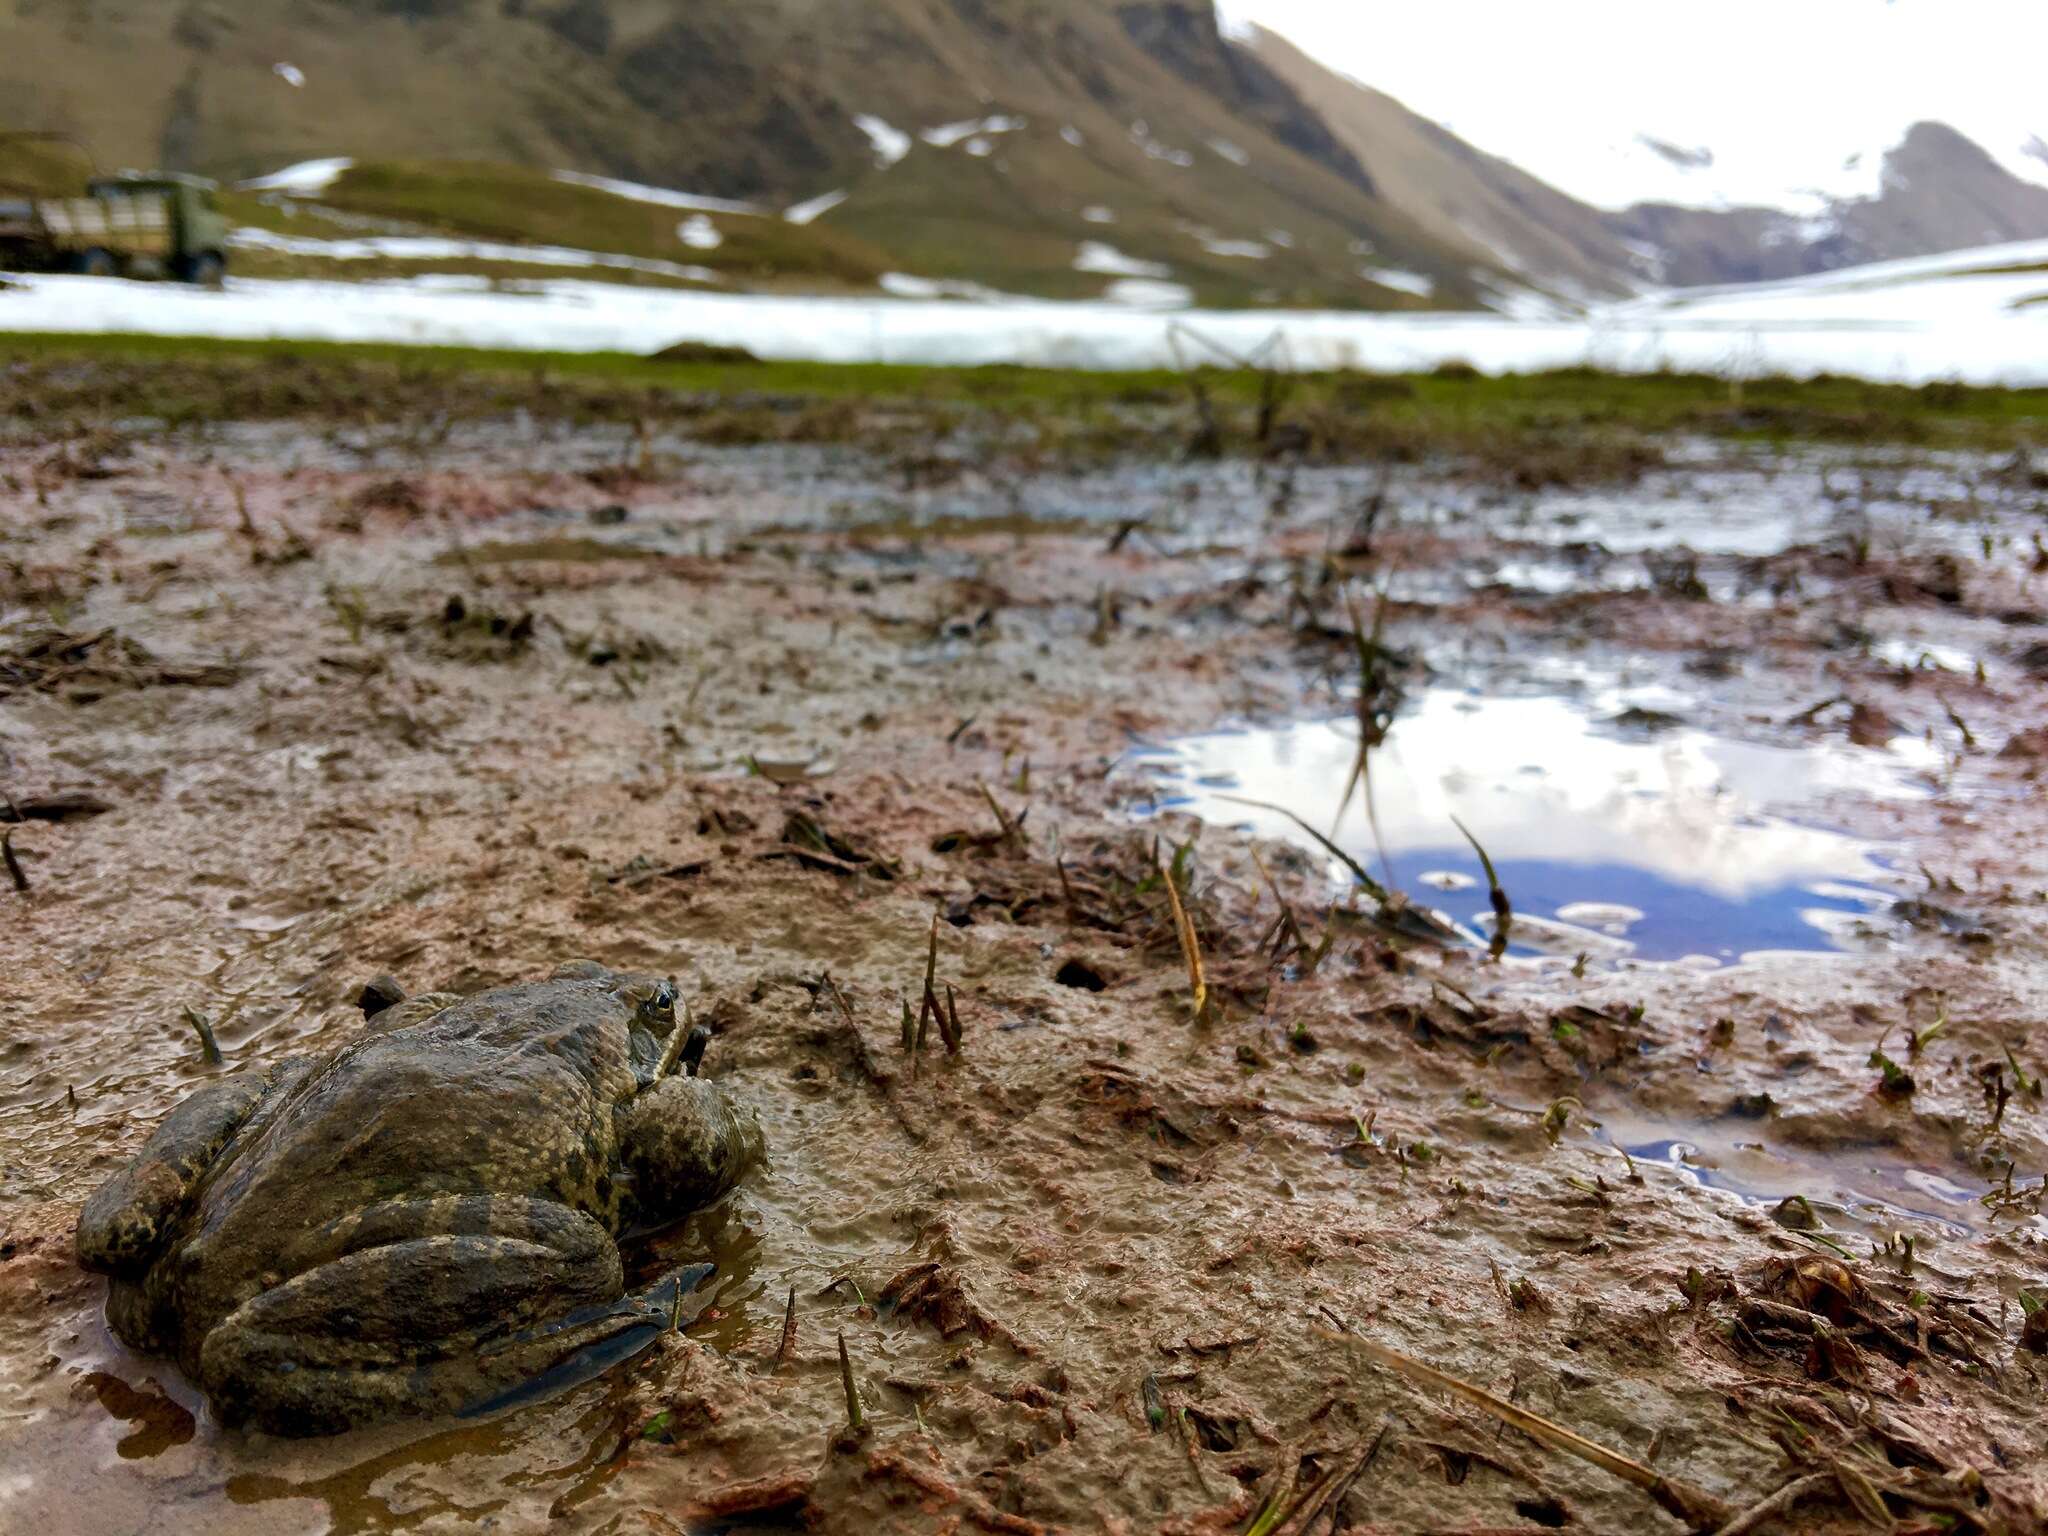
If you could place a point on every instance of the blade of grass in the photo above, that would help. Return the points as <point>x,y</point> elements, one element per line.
<point>1359,872</point>
<point>1503,912</point>
<point>1190,948</point>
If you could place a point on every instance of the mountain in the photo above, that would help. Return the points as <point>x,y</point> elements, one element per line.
<point>1936,190</point>
<point>1068,148</point>
<point>1460,195</point>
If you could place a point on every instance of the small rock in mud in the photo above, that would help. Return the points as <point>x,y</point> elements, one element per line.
<point>379,993</point>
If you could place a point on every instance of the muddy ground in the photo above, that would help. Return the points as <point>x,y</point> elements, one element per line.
<point>285,705</point>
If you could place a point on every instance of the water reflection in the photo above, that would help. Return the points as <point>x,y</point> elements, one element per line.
<point>1662,841</point>
<point>1864,1189</point>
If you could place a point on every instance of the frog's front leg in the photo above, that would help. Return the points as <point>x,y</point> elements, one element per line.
<point>126,1222</point>
<point>431,1306</point>
<point>684,1143</point>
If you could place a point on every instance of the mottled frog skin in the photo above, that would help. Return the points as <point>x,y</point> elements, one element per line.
<point>424,1218</point>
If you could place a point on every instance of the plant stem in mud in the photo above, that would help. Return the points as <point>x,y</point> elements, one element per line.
<point>1190,947</point>
<point>1698,1508</point>
<point>951,1028</point>
<point>203,1028</point>
<point>1503,913</point>
<point>855,1419</point>
<point>928,1005</point>
<point>786,1350</point>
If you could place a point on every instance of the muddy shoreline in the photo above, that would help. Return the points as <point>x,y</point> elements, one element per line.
<point>285,705</point>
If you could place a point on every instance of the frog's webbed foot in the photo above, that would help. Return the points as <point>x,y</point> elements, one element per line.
<point>685,1143</point>
<point>127,1220</point>
<point>425,1310</point>
<point>584,1345</point>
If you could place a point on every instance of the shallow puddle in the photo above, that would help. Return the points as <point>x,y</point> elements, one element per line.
<point>1866,1191</point>
<point>1615,833</point>
<point>153,1446</point>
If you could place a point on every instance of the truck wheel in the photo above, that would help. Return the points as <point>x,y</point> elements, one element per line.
<point>206,270</point>
<point>97,262</point>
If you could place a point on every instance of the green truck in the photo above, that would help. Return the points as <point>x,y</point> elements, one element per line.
<point>130,225</point>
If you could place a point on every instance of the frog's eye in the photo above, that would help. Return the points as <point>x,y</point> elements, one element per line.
<point>663,1000</point>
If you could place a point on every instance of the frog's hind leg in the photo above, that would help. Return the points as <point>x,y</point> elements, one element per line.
<point>127,1220</point>
<point>432,1305</point>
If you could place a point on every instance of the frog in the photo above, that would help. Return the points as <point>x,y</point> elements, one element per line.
<point>427,1218</point>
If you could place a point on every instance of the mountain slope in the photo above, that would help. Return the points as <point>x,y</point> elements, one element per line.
<point>1942,190</point>
<point>1456,193</point>
<point>1061,147</point>
<point>1937,191</point>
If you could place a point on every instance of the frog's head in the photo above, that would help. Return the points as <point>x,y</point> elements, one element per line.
<point>652,998</point>
<point>654,1004</point>
<point>650,1002</point>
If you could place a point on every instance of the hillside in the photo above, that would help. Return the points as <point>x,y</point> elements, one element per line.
<point>1458,194</point>
<point>1066,148</point>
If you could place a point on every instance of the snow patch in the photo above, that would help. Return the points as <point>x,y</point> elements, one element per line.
<point>290,74</point>
<point>1242,250</point>
<point>1525,304</point>
<point>1910,322</point>
<point>660,196</point>
<point>1798,229</point>
<point>1099,215</point>
<point>1095,256</point>
<point>902,285</point>
<point>946,135</point>
<point>1230,152</point>
<point>699,233</point>
<point>1239,20</point>
<point>1148,293</point>
<point>1141,135</point>
<point>980,148</point>
<point>1281,238</point>
<point>1649,259</point>
<point>1504,258</point>
<point>1616,169</point>
<point>440,248</point>
<point>890,144</point>
<point>1072,135</point>
<point>815,209</point>
<point>303,179</point>
<point>1399,280</point>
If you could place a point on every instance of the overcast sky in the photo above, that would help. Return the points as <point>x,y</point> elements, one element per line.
<point>1783,91</point>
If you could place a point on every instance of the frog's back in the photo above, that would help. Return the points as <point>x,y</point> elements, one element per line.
<point>506,1093</point>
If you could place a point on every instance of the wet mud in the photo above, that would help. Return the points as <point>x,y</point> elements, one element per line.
<point>1729,1157</point>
